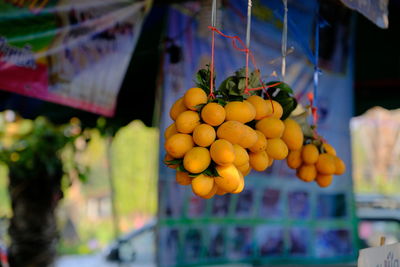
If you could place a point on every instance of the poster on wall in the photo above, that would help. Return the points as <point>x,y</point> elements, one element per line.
<point>277,218</point>
<point>69,52</point>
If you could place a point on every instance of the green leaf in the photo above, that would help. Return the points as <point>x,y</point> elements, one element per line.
<point>284,87</point>
<point>174,161</point>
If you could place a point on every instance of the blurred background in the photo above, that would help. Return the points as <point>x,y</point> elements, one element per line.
<point>103,76</point>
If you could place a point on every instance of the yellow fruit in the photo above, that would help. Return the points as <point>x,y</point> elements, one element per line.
<point>183,178</point>
<point>340,167</point>
<point>277,112</point>
<point>202,185</point>
<point>177,108</point>
<point>244,169</point>
<point>329,149</point>
<point>271,127</point>
<point>323,180</point>
<point>212,192</point>
<point>220,192</point>
<point>260,105</point>
<point>240,188</point>
<point>240,111</point>
<point>241,156</point>
<point>259,161</point>
<point>229,179</point>
<point>309,154</point>
<point>326,164</point>
<point>294,160</point>
<point>178,144</point>
<point>170,131</point>
<point>249,137</point>
<point>307,173</point>
<point>204,135</point>
<point>187,121</point>
<point>222,152</point>
<point>271,161</point>
<point>168,157</point>
<point>213,114</point>
<point>277,149</point>
<point>197,160</point>
<point>260,144</point>
<point>194,97</point>
<point>231,131</point>
<point>292,135</point>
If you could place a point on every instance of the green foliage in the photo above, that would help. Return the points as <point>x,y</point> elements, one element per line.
<point>283,94</point>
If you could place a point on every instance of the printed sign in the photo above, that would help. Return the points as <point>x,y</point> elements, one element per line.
<point>69,52</point>
<point>383,256</point>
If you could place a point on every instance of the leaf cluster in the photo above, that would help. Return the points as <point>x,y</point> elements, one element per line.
<point>282,93</point>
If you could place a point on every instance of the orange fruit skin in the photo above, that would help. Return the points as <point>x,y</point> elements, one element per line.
<point>340,167</point>
<point>309,154</point>
<point>202,185</point>
<point>177,108</point>
<point>277,112</point>
<point>292,135</point>
<point>293,159</point>
<point>240,111</point>
<point>222,152</point>
<point>324,180</point>
<point>168,157</point>
<point>277,149</point>
<point>229,178</point>
<point>170,131</point>
<point>260,144</point>
<point>194,97</point>
<point>307,173</point>
<point>240,188</point>
<point>183,178</point>
<point>326,164</point>
<point>197,160</point>
<point>260,106</point>
<point>204,135</point>
<point>244,169</point>
<point>271,127</point>
<point>231,131</point>
<point>329,149</point>
<point>259,161</point>
<point>187,121</point>
<point>213,114</point>
<point>212,192</point>
<point>249,137</point>
<point>241,155</point>
<point>178,144</point>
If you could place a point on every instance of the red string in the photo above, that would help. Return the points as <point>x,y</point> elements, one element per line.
<point>310,97</point>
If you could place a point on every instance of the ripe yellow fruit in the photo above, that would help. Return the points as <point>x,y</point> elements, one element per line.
<point>240,111</point>
<point>260,144</point>
<point>326,164</point>
<point>229,178</point>
<point>202,185</point>
<point>170,131</point>
<point>183,178</point>
<point>329,149</point>
<point>294,160</point>
<point>212,192</point>
<point>292,135</point>
<point>277,149</point>
<point>309,154</point>
<point>271,161</point>
<point>178,144</point>
<point>271,127</point>
<point>241,155</point>
<point>204,135</point>
<point>260,106</point>
<point>197,160</point>
<point>220,192</point>
<point>194,97</point>
<point>277,112</point>
<point>324,180</point>
<point>213,114</point>
<point>340,167</point>
<point>231,131</point>
<point>187,121</point>
<point>249,137</point>
<point>259,161</point>
<point>167,158</point>
<point>240,188</point>
<point>222,152</point>
<point>177,108</point>
<point>244,169</point>
<point>307,173</point>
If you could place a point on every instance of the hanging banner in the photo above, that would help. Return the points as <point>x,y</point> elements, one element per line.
<point>69,52</point>
<point>277,218</point>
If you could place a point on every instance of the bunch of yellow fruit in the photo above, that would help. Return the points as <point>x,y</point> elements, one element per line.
<point>316,161</point>
<point>214,146</point>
